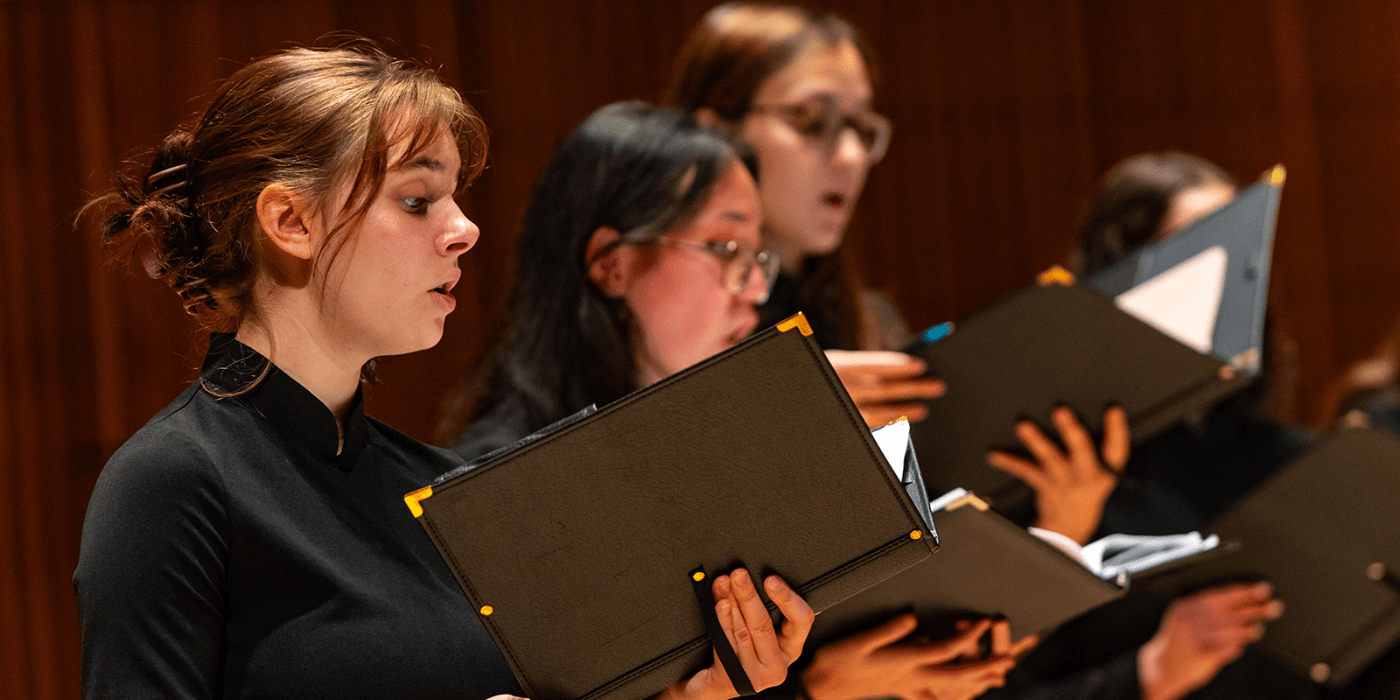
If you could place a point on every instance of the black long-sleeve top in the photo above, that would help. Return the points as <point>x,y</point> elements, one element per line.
<point>230,552</point>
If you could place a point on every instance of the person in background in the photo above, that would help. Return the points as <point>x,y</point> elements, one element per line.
<point>251,540</point>
<point>640,254</point>
<point>1369,391</point>
<point>796,84</point>
<point>1144,646</point>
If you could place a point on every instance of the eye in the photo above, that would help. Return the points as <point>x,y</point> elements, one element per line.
<point>724,250</point>
<point>415,205</point>
<point>810,120</point>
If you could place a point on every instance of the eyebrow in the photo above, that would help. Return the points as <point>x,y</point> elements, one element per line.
<point>424,163</point>
<point>737,217</point>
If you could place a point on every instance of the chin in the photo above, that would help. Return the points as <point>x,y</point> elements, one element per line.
<point>826,241</point>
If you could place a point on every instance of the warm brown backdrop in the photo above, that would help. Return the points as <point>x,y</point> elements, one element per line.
<point>1005,112</point>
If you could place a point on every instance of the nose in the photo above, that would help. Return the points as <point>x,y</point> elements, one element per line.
<point>849,151</point>
<point>459,233</point>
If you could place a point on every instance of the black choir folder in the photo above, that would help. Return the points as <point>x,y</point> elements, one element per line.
<point>985,566</point>
<point>578,546</point>
<point>1182,329</point>
<point>1044,346</point>
<point>1325,531</point>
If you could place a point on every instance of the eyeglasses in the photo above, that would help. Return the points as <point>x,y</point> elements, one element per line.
<point>821,124</point>
<point>738,263</point>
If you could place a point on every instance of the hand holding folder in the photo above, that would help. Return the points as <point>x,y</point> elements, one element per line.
<point>582,546</point>
<point>763,651</point>
<point>885,661</point>
<point>1072,484</point>
<point>885,386</point>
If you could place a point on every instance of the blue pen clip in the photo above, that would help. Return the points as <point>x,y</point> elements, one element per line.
<point>937,333</point>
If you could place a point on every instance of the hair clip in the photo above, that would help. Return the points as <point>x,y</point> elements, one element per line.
<point>157,177</point>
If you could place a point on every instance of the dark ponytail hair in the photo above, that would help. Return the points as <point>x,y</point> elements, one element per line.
<point>642,170</point>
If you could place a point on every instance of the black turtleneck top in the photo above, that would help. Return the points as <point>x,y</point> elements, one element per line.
<point>230,552</point>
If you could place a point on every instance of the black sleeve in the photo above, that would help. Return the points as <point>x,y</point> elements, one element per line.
<point>1115,679</point>
<point>150,573</point>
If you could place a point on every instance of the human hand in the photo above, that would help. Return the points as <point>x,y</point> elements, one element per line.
<point>885,385</point>
<point>1202,633</point>
<point>764,651</point>
<point>1070,489</point>
<point>882,662</point>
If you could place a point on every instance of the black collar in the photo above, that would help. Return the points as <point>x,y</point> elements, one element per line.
<point>231,368</point>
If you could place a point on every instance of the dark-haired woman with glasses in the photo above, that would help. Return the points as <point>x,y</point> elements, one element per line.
<point>796,84</point>
<point>639,256</point>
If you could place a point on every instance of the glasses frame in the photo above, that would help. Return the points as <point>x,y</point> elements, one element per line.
<point>835,123</point>
<point>737,263</point>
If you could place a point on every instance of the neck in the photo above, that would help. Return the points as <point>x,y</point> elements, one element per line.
<point>301,349</point>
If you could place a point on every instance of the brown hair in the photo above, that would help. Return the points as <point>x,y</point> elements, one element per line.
<point>1127,207</point>
<point>721,66</point>
<point>306,118</point>
<point>738,45</point>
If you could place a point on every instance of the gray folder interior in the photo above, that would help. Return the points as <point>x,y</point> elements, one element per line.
<point>1245,229</point>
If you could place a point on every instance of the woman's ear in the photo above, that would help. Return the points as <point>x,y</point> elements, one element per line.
<point>608,262</point>
<point>285,219</point>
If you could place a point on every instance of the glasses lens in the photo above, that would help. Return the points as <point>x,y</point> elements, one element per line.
<point>739,272</point>
<point>822,124</point>
<point>873,130</point>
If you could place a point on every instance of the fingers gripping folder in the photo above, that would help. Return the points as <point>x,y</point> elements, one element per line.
<point>578,539</point>
<point>723,649</point>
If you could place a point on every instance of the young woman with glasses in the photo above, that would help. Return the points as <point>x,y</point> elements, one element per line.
<point>796,85</point>
<point>640,255</point>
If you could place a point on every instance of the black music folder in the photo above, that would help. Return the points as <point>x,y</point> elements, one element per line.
<point>578,547</point>
<point>1041,347</point>
<point>1207,284</point>
<point>985,566</point>
<point>1325,531</point>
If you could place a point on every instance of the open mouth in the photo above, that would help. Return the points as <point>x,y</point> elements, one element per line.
<point>446,287</point>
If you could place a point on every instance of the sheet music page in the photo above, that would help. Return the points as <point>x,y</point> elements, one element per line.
<point>1182,302</point>
<point>893,440</point>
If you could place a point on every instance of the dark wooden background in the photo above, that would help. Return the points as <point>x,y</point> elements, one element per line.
<point>1005,113</point>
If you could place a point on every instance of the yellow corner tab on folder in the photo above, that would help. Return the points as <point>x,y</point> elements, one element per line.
<point>967,500</point>
<point>797,321</point>
<point>413,499</point>
<point>1277,175</point>
<point>1055,275</point>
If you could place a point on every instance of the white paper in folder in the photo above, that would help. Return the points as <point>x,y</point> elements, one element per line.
<point>1182,302</point>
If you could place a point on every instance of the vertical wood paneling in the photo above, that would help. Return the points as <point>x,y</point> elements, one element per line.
<point>1005,113</point>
